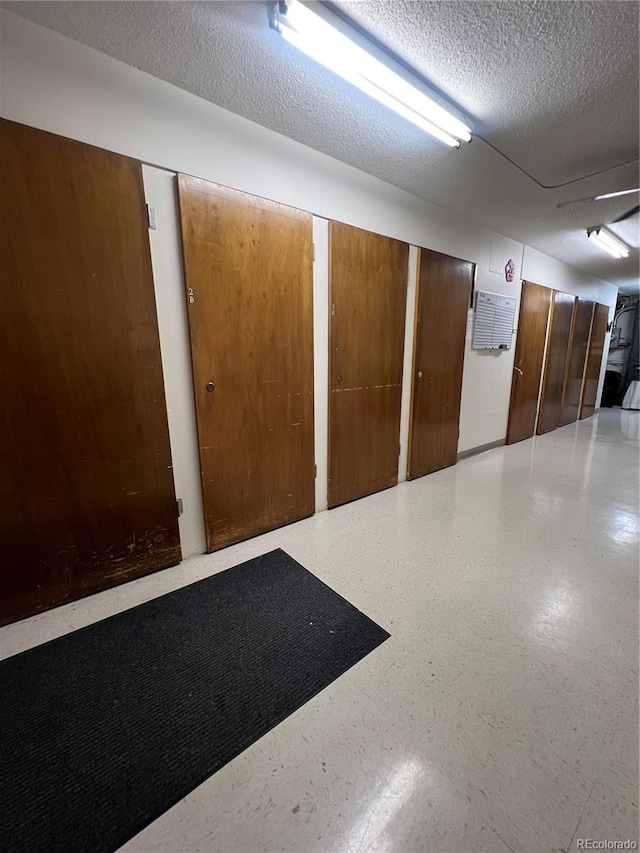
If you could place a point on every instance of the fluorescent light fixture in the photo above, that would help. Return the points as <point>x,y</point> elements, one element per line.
<point>616,194</point>
<point>608,243</point>
<point>599,197</point>
<point>325,44</point>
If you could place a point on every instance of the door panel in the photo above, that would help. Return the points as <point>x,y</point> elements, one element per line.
<point>248,273</point>
<point>368,293</point>
<point>86,489</point>
<point>444,290</point>
<point>582,316</point>
<point>594,360</point>
<point>535,303</point>
<point>555,368</point>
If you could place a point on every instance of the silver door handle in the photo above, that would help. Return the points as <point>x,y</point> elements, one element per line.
<point>419,374</point>
<point>518,369</point>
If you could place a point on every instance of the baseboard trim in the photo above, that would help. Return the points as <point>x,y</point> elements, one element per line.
<point>473,451</point>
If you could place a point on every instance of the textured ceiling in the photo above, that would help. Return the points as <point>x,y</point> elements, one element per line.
<point>552,85</point>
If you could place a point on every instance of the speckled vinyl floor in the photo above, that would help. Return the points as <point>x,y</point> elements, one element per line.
<point>503,712</point>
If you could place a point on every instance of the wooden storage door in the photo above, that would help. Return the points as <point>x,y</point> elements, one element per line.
<point>87,498</point>
<point>248,274</point>
<point>368,294</point>
<point>582,316</point>
<point>555,368</point>
<point>443,296</point>
<point>594,360</point>
<point>535,303</point>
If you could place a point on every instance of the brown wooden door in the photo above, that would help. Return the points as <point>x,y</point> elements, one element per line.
<point>248,273</point>
<point>555,368</point>
<point>582,316</point>
<point>368,294</point>
<point>535,303</point>
<point>86,488</point>
<point>443,295</point>
<point>594,360</point>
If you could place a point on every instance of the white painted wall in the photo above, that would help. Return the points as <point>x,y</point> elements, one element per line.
<point>53,83</point>
<point>407,366</point>
<point>320,356</point>
<point>486,379</point>
<point>166,258</point>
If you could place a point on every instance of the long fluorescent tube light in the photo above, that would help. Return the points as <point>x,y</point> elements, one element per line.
<point>325,44</point>
<point>596,240</point>
<point>613,243</point>
<point>608,243</point>
<point>615,195</point>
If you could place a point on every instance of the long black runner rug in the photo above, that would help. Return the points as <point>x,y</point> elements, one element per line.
<point>104,729</point>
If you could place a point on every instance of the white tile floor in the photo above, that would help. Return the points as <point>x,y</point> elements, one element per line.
<point>502,713</point>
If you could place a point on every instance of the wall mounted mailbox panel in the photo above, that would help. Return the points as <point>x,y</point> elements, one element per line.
<point>494,321</point>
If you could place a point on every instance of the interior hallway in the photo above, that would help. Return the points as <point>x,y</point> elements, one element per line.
<point>502,713</point>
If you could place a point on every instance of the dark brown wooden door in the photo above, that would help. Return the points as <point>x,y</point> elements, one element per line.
<point>555,367</point>
<point>443,295</point>
<point>594,360</point>
<point>248,273</point>
<point>368,295</point>
<point>535,303</point>
<point>582,316</point>
<point>86,488</point>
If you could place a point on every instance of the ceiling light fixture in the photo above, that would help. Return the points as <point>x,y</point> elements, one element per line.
<point>608,243</point>
<point>598,197</point>
<point>324,43</point>
<point>616,194</point>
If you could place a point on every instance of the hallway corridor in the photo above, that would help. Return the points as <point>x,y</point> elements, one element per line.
<point>502,714</point>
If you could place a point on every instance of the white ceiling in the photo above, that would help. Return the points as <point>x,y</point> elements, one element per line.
<point>552,85</point>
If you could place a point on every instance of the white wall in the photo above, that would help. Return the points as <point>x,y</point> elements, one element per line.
<point>166,259</point>
<point>407,366</point>
<point>56,84</point>
<point>320,358</point>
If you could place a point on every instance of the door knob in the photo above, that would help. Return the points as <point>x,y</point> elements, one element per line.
<point>419,374</point>
<point>211,386</point>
